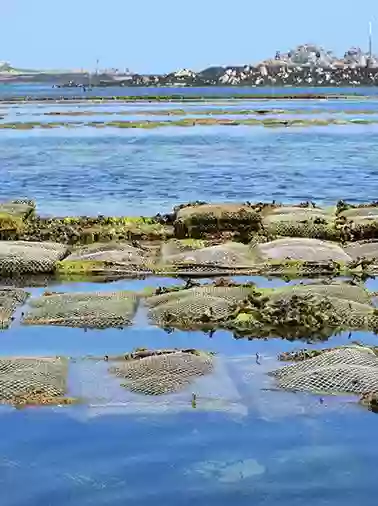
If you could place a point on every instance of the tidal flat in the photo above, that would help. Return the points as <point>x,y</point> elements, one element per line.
<point>106,281</point>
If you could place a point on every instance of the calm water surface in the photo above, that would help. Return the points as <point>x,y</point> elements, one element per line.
<point>262,447</point>
<point>35,90</point>
<point>118,172</point>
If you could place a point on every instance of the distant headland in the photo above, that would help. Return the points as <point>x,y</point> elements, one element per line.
<point>307,65</point>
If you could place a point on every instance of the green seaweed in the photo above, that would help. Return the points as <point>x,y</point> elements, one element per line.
<point>36,399</point>
<point>68,267</point>
<point>88,230</point>
<point>192,122</point>
<point>175,97</point>
<point>11,222</point>
<point>192,243</point>
<point>207,112</point>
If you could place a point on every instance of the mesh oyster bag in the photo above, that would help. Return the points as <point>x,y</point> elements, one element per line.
<point>363,249</point>
<point>293,221</point>
<point>336,289</point>
<point>361,222</point>
<point>301,249</point>
<point>344,370</point>
<point>174,247</point>
<point>195,305</point>
<point>10,298</point>
<point>22,257</point>
<point>155,381</point>
<point>227,257</point>
<point>306,311</point>
<point>162,374</point>
<point>31,378</point>
<point>84,309</point>
<point>350,305</point>
<point>195,220</point>
<point>111,252</point>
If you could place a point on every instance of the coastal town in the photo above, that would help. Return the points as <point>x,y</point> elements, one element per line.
<point>306,65</point>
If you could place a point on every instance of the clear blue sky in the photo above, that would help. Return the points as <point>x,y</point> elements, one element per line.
<point>163,35</point>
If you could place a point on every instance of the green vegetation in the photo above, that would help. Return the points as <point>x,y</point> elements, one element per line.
<point>230,111</point>
<point>75,267</point>
<point>192,98</point>
<point>191,122</point>
<point>312,311</point>
<point>40,399</point>
<point>193,243</point>
<point>10,222</point>
<point>87,230</point>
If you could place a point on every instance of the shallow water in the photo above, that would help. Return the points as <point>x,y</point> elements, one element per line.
<point>214,459</point>
<point>131,172</point>
<point>36,90</point>
<point>266,446</point>
<point>262,447</point>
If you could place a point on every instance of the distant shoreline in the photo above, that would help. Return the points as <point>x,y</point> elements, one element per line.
<point>236,77</point>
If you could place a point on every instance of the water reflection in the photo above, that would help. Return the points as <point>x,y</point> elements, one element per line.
<point>212,458</point>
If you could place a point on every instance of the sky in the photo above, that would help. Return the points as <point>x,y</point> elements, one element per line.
<point>164,35</point>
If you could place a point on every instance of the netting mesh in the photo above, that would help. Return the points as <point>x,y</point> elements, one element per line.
<point>223,211</point>
<point>327,307</point>
<point>311,311</point>
<point>307,228</point>
<point>162,374</point>
<point>86,310</point>
<point>182,379</point>
<point>360,212</point>
<point>294,222</point>
<point>159,386</point>
<point>229,293</point>
<point>175,247</point>
<point>307,250</point>
<point>187,311</point>
<point>353,315</point>
<point>28,379</point>
<point>304,310</point>
<point>22,257</point>
<point>202,304</point>
<point>300,256</point>
<point>353,370</point>
<point>368,250</point>
<point>209,218</point>
<point>111,252</point>
<point>229,255</point>
<point>359,223</point>
<point>336,289</point>
<point>10,298</point>
<point>29,280</point>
